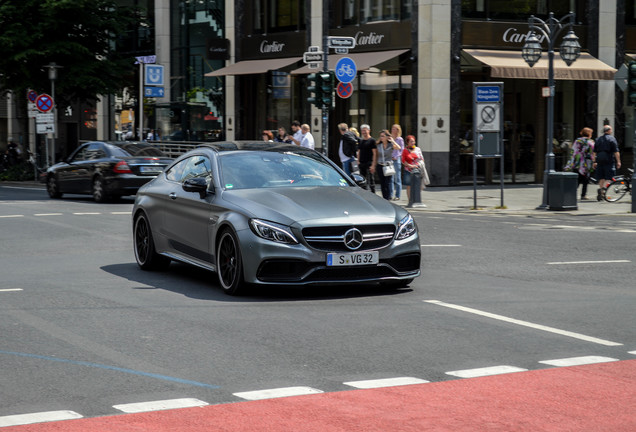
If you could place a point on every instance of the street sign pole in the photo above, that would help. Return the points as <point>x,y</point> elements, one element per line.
<point>325,109</point>
<point>141,100</point>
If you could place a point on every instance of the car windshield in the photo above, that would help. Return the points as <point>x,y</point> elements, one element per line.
<point>266,169</point>
<point>134,149</point>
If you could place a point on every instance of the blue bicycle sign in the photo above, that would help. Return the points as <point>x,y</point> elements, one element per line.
<point>346,70</point>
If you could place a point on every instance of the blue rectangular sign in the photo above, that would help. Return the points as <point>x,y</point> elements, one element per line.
<point>154,75</point>
<point>488,94</point>
<point>154,92</point>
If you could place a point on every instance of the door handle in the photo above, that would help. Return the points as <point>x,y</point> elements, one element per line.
<point>173,196</point>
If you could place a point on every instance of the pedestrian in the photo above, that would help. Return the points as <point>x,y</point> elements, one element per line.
<point>307,139</point>
<point>297,133</point>
<point>151,135</point>
<point>605,155</point>
<point>582,159</point>
<point>348,147</point>
<point>396,136</point>
<point>413,162</point>
<point>282,137</point>
<point>367,156</point>
<point>385,167</point>
<point>268,136</point>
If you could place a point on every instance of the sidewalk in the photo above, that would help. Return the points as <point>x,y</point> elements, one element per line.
<point>517,199</point>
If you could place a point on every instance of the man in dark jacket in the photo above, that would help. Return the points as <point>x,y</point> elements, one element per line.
<point>348,147</point>
<point>605,154</point>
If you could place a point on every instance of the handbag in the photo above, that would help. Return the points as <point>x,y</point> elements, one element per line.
<point>425,179</point>
<point>388,169</point>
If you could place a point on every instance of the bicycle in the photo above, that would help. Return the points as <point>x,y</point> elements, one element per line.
<point>618,187</point>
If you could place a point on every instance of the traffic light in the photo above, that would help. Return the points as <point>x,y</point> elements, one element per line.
<point>631,83</point>
<point>315,87</point>
<point>327,84</point>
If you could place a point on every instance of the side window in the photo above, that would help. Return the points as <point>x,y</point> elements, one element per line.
<point>176,171</point>
<point>197,166</point>
<point>80,155</point>
<point>94,151</point>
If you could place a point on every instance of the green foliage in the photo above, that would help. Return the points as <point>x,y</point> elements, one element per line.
<point>20,172</point>
<point>76,34</point>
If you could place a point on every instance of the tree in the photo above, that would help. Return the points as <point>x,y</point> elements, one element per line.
<point>79,35</point>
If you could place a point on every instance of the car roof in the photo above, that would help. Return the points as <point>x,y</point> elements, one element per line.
<point>228,146</point>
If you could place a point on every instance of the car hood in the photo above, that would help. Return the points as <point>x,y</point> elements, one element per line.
<point>341,205</point>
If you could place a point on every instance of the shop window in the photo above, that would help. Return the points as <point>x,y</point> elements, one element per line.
<point>630,12</point>
<point>355,12</point>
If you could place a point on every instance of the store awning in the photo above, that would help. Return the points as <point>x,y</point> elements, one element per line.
<point>248,67</point>
<point>363,61</point>
<point>510,64</point>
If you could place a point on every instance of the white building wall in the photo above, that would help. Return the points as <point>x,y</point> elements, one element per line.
<point>607,54</point>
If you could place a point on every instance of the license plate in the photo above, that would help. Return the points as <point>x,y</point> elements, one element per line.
<point>150,170</point>
<point>353,259</point>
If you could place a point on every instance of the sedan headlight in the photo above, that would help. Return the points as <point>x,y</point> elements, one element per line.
<point>407,228</point>
<point>273,231</point>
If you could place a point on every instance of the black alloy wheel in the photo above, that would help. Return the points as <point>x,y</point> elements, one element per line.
<point>52,187</point>
<point>229,265</point>
<point>145,253</point>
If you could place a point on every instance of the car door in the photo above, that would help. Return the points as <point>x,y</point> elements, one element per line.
<point>187,216</point>
<point>68,174</point>
<point>93,156</point>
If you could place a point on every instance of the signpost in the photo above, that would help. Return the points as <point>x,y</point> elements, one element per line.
<point>488,129</point>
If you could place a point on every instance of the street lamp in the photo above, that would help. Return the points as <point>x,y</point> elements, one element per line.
<point>531,53</point>
<point>53,67</point>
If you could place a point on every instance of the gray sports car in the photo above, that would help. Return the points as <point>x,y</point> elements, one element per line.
<point>270,214</point>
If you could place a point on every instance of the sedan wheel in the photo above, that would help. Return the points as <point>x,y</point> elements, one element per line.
<point>229,265</point>
<point>145,253</point>
<point>52,187</point>
<point>99,194</point>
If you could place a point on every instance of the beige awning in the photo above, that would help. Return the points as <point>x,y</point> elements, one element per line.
<point>248,67</point>
<point>363,61</point>
<point>510,64</point>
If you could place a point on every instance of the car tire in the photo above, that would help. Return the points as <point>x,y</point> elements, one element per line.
<point>99,192</point>
<point>229,264</point>
<point>52,187</point>
<point>144,245</point>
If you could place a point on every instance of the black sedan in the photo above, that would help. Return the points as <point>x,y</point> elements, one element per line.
<point>272,214</point>
<point>107,170</point>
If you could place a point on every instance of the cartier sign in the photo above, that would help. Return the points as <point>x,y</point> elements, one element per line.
<point>484,34</point>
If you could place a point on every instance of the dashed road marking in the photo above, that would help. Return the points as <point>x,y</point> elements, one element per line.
<point>48,214</point>
<point>525,323</point>
<point>588,262</point>
<point>10,289</point>
<point>160,405</point>
<point>277,393</point>
<point>41,417</point>
<point>86,213</point>
<point>578,361</point>
<point>11,216</point>
<point>441,245</point>
<point>487,371</point>
<point>385,382</point>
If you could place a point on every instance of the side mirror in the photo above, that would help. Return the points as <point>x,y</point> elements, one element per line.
<point>196,184</point>
<point>359,180</point>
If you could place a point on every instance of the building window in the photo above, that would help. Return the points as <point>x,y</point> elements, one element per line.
<point>630,12</point>
<point>271,16</point>
<point>520,10</point>
<point>355,12</point>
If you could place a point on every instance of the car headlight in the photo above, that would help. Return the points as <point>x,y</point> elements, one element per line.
<point>272,231</point>
<point>406,228</point>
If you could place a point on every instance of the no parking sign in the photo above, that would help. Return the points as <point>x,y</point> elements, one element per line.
<point>344,90</point>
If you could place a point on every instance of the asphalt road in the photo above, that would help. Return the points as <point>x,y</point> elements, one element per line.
<point>83,329</point>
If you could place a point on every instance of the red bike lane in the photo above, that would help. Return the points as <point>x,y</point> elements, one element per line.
<point>599,397</point>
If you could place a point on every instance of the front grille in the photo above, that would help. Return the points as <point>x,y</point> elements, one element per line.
<point>331,239</point>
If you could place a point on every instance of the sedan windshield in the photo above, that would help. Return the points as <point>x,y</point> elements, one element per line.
<point>254,169</point>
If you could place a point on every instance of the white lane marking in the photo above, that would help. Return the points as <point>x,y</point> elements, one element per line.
<point>385,382</point>
<point>277,393</point>
<point>526,324</point>
<point>87,213</point>
<point>631,352</point>
<point>48,214</point>
<point>441,245</point>
<point>11,216</point>
<point>41,417</point>
<point>160,405</point>
<point>578,361</point>
<point>487,371</point>
<point>121,213</point>
<point>10,289</point>
<point>588,262</point>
